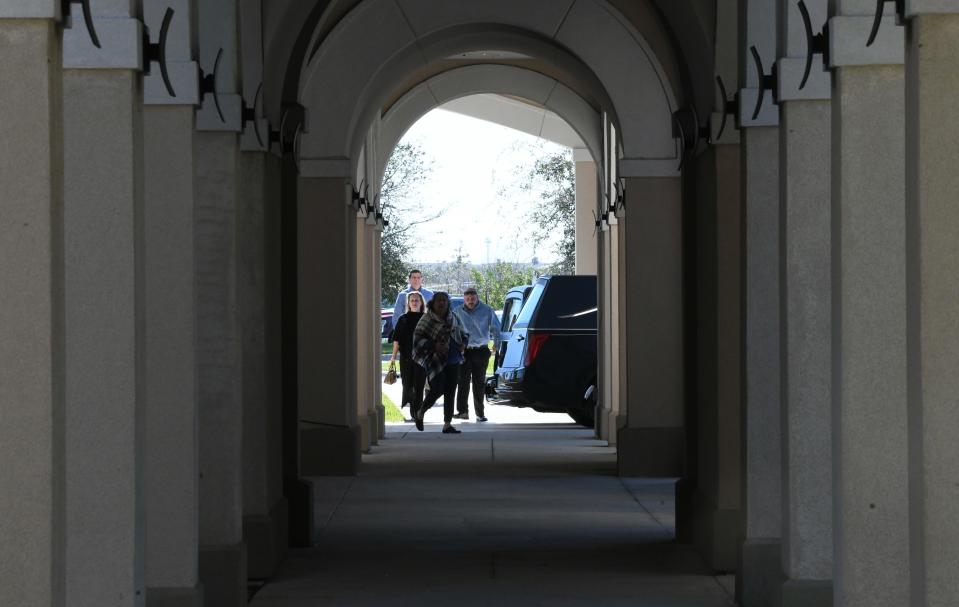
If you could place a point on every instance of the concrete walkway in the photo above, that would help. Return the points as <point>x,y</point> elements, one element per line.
<point>499,515</point>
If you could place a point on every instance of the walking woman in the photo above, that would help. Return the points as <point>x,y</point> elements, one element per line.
<point>412,375</point>
<point>438,343</point>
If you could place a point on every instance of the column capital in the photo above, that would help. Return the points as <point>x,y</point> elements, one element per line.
<point>914,8</point>
<point>768,112</point>
<point>730,134</point>
<point>29,9</point>
<point>179,53</point>
<point>819,85</point>
<point>185,78</point>
<point>231,106</point>
<point>847,42</point>
<point>120,45</point>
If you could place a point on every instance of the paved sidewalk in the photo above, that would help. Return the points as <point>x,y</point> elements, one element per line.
<point>499,515</point>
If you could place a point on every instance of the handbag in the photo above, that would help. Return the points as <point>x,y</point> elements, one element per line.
<point>390,378</point>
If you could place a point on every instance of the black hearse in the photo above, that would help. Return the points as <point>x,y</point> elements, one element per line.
<point>548,362</point>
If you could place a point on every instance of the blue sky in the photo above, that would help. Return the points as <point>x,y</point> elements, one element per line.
<point>477,170</point>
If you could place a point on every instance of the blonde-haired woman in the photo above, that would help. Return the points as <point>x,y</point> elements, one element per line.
<point>412,375</point>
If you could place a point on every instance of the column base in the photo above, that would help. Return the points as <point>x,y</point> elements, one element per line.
<point>329,450</point>
<point>714,532</point>
<point>366,433</point>
<point>373,416</point>
<point>380,421</point>
<point>617,421</point>
<point>298,494</point>
<point>605,430</point>
<point>266,540</point>
<point>175,597</point>
<point>760,574</point>
<point>223,574</point>
<point>653,452</point>
<point>806,593</point>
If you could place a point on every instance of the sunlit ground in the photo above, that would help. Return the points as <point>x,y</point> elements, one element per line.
<point>497,414</point>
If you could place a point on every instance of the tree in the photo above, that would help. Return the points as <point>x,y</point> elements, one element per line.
<point>496,279</point>
<point>405,171</point>
<point>554,178</point>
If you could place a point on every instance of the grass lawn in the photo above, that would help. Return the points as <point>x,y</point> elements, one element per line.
<point>393,413</point>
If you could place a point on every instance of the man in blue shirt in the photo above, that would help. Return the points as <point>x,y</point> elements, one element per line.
<point>479,321</point>
<point>416,284</point>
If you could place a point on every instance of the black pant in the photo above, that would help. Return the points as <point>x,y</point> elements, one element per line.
<point>473,371</point>
<point>413,377</point>
<point>443,385</point>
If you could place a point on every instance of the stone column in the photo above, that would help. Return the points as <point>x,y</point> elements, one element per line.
<point>711,496</point>
<point>327,320</point>
<point>605,423</point>
<point>607,365</point>
<point>806,331</point>
<point>611,366</point>
<point>617,347</point>
<point>223,555</point>
<point>372,306</point>
<point>869,312</point>
<point>760,568</point>
<point>366,414</point>
<point>222,552</point>
<point>103,314</point>
<point>586,192</point>
<point>171,452</point>
<point>171,456</point>
<point>652,441</point>
<point>612,415</point>
<point>377,366</point>
<point>265,511</point>
<point>374,164</point>
<point>31,307</point>
<point>932,258</point>
<point>617,410</point>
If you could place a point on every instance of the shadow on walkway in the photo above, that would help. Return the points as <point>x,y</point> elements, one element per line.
<point>498,515</point>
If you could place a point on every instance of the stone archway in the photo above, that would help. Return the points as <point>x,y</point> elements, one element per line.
<point>555,59</point>
<point>591,44</point>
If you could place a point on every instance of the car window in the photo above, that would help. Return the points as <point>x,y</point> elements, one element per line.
<point>510,319</point>
<point>527,311</point>
<point>507,319</point>
<point>569,303</point>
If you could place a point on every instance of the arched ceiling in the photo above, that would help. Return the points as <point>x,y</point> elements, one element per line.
<point>367,54</point>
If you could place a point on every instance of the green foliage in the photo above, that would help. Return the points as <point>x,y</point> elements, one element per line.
<point>554,178</point>
<point>392,266</point>
<point>405,171</point>
<point>393,413</point>
<point>496,279</point>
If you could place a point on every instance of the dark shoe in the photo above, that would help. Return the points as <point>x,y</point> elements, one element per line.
<point>481,418</point>
<point>451,430</point>
<point>461,416</point>
<point>419,422</point>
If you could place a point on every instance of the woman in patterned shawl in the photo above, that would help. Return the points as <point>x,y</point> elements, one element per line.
<point>438,343</point>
